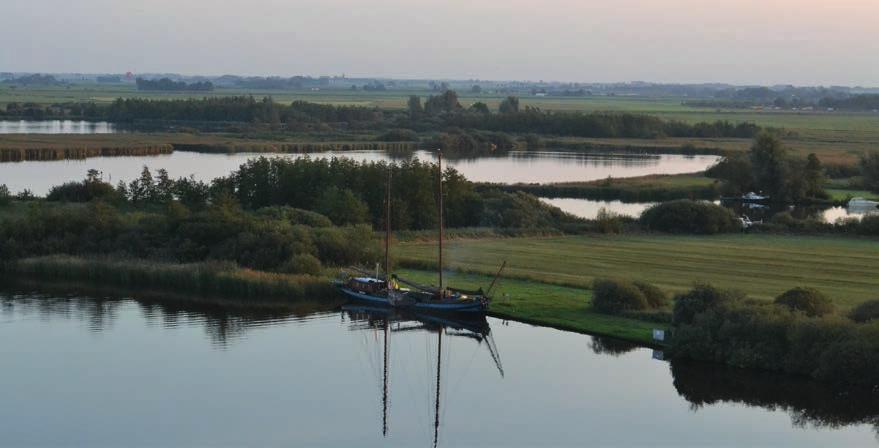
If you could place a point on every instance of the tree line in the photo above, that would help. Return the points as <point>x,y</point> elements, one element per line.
<point>436,114</point>
<point>169,85</point>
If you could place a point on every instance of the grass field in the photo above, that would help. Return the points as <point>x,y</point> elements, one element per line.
<point>545,304</point>
<point>761,265</point>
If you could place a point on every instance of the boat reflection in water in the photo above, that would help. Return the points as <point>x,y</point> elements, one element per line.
<point>391,320</point>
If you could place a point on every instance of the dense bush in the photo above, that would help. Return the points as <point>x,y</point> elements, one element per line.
<point>84,191</point>
<point>656,298</point>
<point>700,299</point>
<point>720,326</point>
<point>398,135</point>
<point>222,231</point>
<point>686,216</point>
<point>809,301</point>
<point>616,296</point>
<point>865,312</point>
<point>295,216</point>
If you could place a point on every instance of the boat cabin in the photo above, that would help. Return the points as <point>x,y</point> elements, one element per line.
<point>367,285</point>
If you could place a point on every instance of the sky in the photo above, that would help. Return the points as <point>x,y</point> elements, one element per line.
<point>801,42</point>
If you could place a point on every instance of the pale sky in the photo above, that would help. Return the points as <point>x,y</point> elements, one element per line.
<point>804,42</point>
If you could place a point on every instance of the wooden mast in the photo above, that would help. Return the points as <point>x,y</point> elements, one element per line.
<point>440,202</point>
<point>388,229</point>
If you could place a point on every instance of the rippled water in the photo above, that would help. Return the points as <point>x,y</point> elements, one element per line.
<point>56,127</point>
<point>517,166</point>
<point>81,371</point>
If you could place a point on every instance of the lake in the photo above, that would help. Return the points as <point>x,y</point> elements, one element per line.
<point>107,372</point>
<point>516,166</point>
<point>56,127</point>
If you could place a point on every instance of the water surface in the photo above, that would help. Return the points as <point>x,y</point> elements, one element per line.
<point>517,166</point>
<point>588,208</point>
<point>101,372</point>
<point>56,127</point>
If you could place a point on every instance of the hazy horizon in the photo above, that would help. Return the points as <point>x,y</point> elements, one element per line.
<point>804,42</point>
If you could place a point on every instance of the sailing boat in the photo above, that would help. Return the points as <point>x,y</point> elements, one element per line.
<point>386,289</point>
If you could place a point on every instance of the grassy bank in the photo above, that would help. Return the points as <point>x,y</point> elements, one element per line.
<point>653,188</point>
<point>761,265</point>
<point>218,279</point>
<point>562,307</point>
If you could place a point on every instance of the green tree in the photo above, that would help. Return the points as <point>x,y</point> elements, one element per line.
<point>769,162</point>
<point>509,105</point>
<point>342,206</point>
<point>870,170</point>
<point>5,197</point>
<point>476,89</point>
<point>414,106</point>
<point>480,108</point>
<point>814,177</point>
<point>142,189</point>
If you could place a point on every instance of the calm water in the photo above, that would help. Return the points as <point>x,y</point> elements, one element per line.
<point>79,371</point>
<point>56,127</point>
<point>588,208</point>
<point>39,176</point>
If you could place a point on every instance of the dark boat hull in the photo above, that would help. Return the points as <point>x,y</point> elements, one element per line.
<point>428,306</point>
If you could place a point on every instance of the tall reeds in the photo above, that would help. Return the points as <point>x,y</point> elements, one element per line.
<point>209,278</point>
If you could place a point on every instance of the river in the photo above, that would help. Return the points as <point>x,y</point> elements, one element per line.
<point>107,372</point>
<point>516,166</point>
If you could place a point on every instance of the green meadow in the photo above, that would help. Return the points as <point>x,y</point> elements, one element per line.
<point>763,266</point>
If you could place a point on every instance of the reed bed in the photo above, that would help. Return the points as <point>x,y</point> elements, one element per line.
<point>208,278</point>
<point>295,147</point>
<point>67,153</point>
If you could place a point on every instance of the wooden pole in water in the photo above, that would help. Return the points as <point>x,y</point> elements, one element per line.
<point>440,202</point>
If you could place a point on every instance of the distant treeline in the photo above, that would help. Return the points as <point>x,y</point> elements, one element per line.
<point>857,102</point>
<point>439,112</point>
<point>169,85</point>
<point>34,80</point>
<point>789,99</point>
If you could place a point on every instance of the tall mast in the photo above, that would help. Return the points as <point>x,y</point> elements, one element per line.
<point>440,202</point>
<point>439,357</point>
<point>388,228</point>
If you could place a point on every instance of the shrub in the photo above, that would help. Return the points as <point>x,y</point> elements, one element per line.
<point>686,216</point>
<point>807,300</point>
<point>698,300</point>
<point>302,264</point>
<point>865,312</point>
<point>616,296</point>
<point>655,297</point>
<point>295,216</point>
<point>84,191</point>
<point>398,135</point>
<point>608,222</point>
<point>5,197</point>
